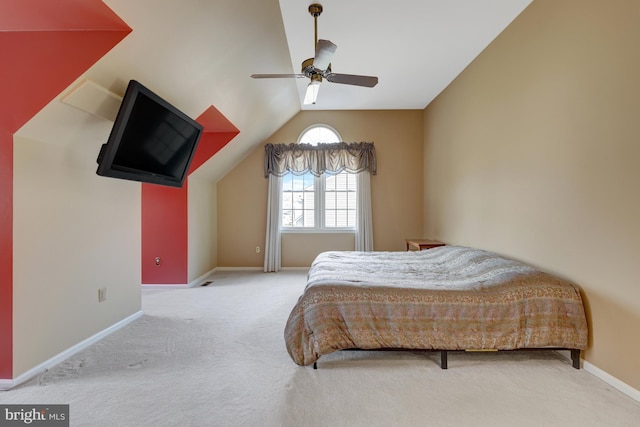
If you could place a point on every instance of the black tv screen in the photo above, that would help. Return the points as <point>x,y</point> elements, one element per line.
<point>151,140</point>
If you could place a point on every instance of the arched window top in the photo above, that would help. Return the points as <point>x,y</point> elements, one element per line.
<point>319,134</point>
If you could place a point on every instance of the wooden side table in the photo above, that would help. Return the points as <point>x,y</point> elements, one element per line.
<point>422,244</point>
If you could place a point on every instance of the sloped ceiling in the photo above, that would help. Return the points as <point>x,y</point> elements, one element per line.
<point>198,53</point>
<point>415,47</point>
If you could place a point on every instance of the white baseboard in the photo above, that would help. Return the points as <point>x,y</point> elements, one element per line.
<point>258,268</point>
<point>604,376</point>
<point>192,284</point>
<point>612,381</point>
<point>165,286</point>
<point>197,282</point>
<point>55,360</point>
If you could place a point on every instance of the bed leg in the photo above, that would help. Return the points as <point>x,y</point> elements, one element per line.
<point>575,357</point>
<point>443,359</point>
<point>315,365</point>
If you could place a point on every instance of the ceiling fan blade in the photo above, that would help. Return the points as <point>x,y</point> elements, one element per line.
<point>277,76</point>
<point>352,79</point>
<point>324,52</point>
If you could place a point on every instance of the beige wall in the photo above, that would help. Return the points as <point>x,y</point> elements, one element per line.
<point>74,233</point>
<point>533,152</point>
<point>299,249</point>
<point>202,227</point>
<point>397,189</point>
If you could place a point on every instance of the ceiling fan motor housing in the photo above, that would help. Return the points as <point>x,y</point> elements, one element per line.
<point>310,71</point>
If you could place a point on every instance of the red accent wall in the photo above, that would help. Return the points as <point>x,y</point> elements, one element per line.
<point>165,210</point>
<point>218,131</point>
<point>164,234</point>
<point>6,254</point>
<point>44,45</point>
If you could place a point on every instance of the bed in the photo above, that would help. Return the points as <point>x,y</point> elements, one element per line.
<point>448,298</point>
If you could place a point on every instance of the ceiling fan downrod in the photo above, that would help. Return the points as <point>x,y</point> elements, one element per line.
<point>315,10</point>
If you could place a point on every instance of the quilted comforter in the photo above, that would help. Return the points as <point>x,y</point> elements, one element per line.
<point>445,298</point>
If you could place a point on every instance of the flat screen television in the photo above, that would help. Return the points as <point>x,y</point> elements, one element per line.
<point>151,140</point>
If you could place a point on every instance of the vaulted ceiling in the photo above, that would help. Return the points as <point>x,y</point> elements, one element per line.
<point>199,53</point>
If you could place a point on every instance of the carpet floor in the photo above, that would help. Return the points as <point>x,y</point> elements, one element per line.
<point>215,356</point>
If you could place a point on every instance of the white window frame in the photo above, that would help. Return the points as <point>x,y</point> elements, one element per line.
<point>319,200</point>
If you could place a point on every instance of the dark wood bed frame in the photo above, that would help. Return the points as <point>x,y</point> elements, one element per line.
<point>575,354</point>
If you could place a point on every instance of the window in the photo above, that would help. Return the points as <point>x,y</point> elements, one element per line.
<point>323,203</point>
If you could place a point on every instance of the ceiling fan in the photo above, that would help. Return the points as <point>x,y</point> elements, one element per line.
<point>319,67</point>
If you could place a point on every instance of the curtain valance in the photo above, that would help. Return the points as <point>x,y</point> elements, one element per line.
<point>298,159</point>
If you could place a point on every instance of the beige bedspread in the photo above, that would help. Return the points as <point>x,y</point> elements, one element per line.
<point>445,298</point>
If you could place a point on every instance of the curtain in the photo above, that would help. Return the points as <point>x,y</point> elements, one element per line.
<point>302,158</point>
<point>364,220</point>
<point>280,159</point>
<point>272,260</point>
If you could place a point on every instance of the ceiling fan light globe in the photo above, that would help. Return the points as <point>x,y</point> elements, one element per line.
<point>311,95</point>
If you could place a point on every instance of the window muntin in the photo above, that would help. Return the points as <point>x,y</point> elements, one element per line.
<point>340,200</point>
<point>298,200</point>
<point>319,134</point>
<point>324,203</point>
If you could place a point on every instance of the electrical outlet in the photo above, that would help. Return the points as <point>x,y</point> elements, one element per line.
<point>102,294</point>
<point>257,249</point>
